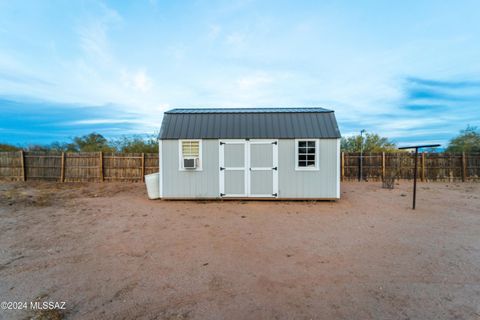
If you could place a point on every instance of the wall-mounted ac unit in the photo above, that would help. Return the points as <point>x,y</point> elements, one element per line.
<point>190,163</point>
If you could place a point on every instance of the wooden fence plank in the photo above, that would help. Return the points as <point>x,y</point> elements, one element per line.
<point>383,166</point>
<point>423,167</point>
<point>22,163</point>
<point>62,171</point>
<point>101,166</point>
<point>143,166</point>
<point>342,165</point>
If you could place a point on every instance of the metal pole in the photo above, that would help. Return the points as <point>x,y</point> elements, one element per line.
<point>415,179</point>
<point>416,166</point>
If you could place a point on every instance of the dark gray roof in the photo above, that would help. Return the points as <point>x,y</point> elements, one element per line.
<point>249,123</point>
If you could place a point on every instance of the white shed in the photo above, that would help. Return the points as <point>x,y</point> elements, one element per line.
<point>274,153</point>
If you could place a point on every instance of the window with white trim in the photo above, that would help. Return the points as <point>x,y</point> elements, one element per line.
<point>306,154</point>
<point>190,150</point>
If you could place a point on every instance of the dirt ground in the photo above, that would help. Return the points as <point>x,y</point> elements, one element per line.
<point>109,253</point>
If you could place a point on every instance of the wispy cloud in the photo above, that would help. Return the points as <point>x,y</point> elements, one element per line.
<point>437,93</point>
<point>138,80</point>
<point>454,84</point>
<point>214,31</point>
<point>93,34</point>
<point>417,89</point>
<point>237,40</point>
<point>254,81</point>
<point>19,78</point>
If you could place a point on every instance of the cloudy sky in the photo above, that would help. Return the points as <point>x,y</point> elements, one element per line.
<point>409,70</point>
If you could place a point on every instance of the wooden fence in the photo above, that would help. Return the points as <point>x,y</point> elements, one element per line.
<point>98,166</point>
<point>401,165</point>
<point>77,166</point>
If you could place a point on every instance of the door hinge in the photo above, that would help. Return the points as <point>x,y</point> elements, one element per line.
<point>275,168</point>
<point>222,168</point>
<point>274,142</point>
<point>274,194</point>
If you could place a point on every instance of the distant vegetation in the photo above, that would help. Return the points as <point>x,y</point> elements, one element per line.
<point>467,141</point>
<point>8,147</point>
<point>371,142</point>
<point>95,142</point>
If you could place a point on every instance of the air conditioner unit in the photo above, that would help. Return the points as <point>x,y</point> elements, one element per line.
<point>190,163</point>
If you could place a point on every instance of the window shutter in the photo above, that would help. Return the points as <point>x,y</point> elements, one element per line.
<point>190,149</point>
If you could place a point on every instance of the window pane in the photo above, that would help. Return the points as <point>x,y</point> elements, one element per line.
<point>302,163</point>
<point>306,154</point>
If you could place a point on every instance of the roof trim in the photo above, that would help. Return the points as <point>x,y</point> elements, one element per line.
<point>246,110</point>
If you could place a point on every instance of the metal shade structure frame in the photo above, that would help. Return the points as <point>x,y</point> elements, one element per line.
<point>416,166</point>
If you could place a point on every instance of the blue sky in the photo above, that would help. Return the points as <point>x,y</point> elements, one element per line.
<point>409,70</point>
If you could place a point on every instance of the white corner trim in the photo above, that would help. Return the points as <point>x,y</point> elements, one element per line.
<point>275,172</point>
<point>221,163</point>
<point>160,167</point>
<point>247,165</point>
<point>338,168</point>
<point>180,155</point>
<point>317,156</point>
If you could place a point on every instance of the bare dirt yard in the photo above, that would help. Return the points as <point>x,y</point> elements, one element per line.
<point>109,253</point>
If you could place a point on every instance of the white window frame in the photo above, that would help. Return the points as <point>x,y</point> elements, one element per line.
<point>317,155</point>
<point>180,155</point>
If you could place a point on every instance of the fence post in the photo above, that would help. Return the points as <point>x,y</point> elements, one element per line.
<point>423,166</point>
<point>464,167</point>
<point>383,166</point>
<point>143,166</point>
<point>101,166</point>
<point>22,163</point>
<point>62,171</point>
<point>342,166</point>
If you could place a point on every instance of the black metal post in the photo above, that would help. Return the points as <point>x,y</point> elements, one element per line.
<point>415,179</point>
<point>416,167</point>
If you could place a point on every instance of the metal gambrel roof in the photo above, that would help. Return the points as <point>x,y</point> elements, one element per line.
<point>249,123</point>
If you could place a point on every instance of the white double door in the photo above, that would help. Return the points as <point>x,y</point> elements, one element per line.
<point>248,168</point>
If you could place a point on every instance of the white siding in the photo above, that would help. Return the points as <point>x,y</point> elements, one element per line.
<point>190,183</point>
<point>321,184</point>
<point>308,184</point>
